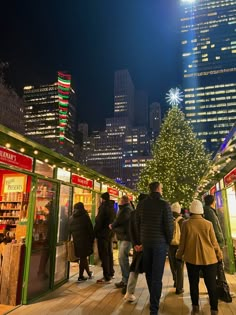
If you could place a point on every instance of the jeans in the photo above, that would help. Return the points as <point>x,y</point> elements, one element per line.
<point>177,268</point>
<point>106,256</point>
<point>154,257</point>
<point>124,249</point>
<point>209,275</point>
<point>133,278</point>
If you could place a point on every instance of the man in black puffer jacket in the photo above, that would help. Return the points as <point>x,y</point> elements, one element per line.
<point>121,228</point>
<point>155,221</point>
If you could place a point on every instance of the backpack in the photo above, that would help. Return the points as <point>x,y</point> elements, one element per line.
<point>176,233</point>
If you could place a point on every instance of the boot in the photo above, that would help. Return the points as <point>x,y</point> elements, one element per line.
<point>214,312</point>
<point>195,310</point>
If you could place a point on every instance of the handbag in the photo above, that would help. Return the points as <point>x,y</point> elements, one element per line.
<point>70,251</point>
<point>222,285</point>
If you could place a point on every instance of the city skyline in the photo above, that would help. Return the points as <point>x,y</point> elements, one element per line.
<point>92,43</point>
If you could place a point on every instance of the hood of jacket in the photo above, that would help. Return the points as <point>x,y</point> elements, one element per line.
<point>79,212</point>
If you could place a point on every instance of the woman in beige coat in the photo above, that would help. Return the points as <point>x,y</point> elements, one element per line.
<point>200,250</point>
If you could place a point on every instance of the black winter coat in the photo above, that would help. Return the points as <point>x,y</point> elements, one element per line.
<point>105,216</point>
<point>155,220</point>
<point>121,223</point>
<point>81,228</point>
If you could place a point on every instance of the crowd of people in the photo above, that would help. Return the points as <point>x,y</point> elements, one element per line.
<point>152,230</point>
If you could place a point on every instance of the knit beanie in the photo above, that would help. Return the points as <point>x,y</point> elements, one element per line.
<point>175,207</point>
<point>196,207</point>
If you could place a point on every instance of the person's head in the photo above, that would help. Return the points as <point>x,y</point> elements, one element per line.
<point>78,206</point>
<point>155,187</point>
<point>142,197</point>
<point>175,207</point>
<point>209,200</point>
<point>124,200</point>
<point>105,196</point>
<point>196,207</point>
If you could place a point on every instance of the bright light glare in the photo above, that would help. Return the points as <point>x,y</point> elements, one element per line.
<point>174,97</point>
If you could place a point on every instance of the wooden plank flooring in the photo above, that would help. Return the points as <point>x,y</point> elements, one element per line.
<point>86,298</point>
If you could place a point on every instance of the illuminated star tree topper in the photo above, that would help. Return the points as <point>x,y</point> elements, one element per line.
<point>174,96</point>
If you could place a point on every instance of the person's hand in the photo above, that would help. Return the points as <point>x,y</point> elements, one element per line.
<point>110,226</point>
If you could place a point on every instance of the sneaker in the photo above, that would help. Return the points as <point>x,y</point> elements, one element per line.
<point>90,274</point>
<point>103,281</point>
<point>123,290</point>
<point>129,297</point>
<point>80,279</point>
<point>119,285</point>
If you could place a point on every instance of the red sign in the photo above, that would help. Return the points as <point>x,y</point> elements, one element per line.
<point>130,197</point>
<point>82,181</point>
<point>16,159</point>
<point>230,177</point>
<point>113,192</point>
<point>213,190</point>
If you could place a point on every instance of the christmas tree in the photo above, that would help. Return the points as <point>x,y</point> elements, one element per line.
<point>179,160</point>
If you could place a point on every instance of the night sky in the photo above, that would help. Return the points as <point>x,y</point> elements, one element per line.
<point>92,39</point>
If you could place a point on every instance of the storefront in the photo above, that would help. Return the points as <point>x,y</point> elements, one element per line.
<point>220,181</point>
<point>38,188</point>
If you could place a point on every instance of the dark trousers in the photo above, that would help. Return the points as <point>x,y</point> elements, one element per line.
<point>83,265</point>
<point>154,261</point>
<point>209,275</point>
<point>177,268</point>
<point>106,255</point>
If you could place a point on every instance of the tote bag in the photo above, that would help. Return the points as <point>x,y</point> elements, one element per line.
<point>71,252</point>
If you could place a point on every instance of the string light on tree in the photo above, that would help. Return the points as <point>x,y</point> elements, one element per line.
<point>179,160</point>
<point>174,96</point>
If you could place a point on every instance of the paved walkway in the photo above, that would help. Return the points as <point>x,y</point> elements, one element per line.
<point>86,298</point>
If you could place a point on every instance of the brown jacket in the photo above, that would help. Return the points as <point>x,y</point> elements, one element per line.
<point>198,244</point>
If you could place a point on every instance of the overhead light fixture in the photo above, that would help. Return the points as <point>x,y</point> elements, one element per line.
<point>22,150</point>
<point>36,152</point>
<point>8,145</point>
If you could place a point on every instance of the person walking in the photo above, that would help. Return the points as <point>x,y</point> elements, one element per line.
<point>200,250</point>
<point>105,216</point>
<point>155,222</point>
<point>81,228</point>
<point>176,266</point>
<point>136,266</point>
<point>210,214</point>
<point>121,227</point>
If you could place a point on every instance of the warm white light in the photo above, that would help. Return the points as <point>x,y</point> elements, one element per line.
<point>36,152</point>
<point>77,168</point>
<point>8,145</point>
<point>46,160</point>
<point>22,150</point>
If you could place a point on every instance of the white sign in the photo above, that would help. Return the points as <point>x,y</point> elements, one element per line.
<point>63,175</point>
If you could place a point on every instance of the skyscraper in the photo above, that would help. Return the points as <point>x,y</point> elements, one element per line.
<point>124,95</point>
<point>209,71</point>
<point>50,114</point>
<point>140,108</point>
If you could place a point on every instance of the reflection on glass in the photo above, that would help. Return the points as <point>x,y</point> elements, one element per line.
<point>39,278</point>
<point>231,200</point>
<point>85,196</point>
<point>63,233</point>
<point>64,208</point>
<point>43,168</point>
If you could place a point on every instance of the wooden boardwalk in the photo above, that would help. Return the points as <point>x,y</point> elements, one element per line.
<point>86,298</point>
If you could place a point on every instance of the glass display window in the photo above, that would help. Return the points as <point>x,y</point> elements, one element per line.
<point>42,238</point>
<point>231,201</point>
<point>84,196</point>
<point>14,202</point>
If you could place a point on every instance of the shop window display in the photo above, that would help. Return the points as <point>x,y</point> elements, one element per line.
<point>40,262</point>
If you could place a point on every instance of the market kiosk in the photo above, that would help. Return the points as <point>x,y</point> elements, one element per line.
<point>38,188</point>
<point>220,181</point>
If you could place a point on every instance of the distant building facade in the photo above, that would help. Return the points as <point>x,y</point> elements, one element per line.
<point>11,109</point>
<point>50,114</point>
<point>209,72</point>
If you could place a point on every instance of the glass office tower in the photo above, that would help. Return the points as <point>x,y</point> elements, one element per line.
<point>208,40</point>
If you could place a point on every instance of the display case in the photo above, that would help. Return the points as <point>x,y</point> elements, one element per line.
<point>84,196</point>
